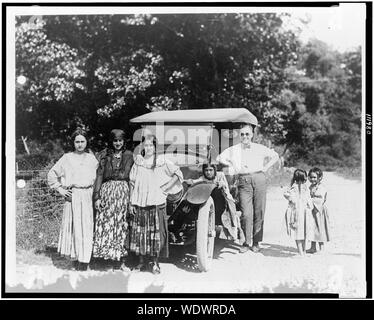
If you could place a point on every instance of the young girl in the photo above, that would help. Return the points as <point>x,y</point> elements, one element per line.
<point>299,206</point>
<point>152,178</point>
<point>319,218</point>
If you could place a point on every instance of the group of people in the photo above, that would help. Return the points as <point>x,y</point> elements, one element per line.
<point>307,216</point>
<point>129,195</point>
<point>115,203</point>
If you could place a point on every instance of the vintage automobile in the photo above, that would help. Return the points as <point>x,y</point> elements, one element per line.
<point>190,138</point>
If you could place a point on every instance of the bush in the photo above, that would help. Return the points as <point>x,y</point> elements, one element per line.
<point>350,173</point>
<point>328,162</point>
<point>41,154</point>
<point>322,158</point>
<point>31,162</point>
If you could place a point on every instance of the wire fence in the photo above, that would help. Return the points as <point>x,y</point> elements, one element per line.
<point>39,210</point>
<point>34,193</point>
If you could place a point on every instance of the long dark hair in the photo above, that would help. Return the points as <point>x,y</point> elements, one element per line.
<point>152,138</point>
<point>299,176</point>
<point>80,132</point>
<point>207,165</point>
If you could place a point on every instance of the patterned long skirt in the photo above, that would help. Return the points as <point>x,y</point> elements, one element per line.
<point>111,228</point>
<point>76,233</point>
<point>148,231</point>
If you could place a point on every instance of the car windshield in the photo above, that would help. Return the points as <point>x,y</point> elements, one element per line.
<point>186,144</point>
<point>182,144</point>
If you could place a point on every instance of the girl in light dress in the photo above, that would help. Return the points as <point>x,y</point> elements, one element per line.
<point>152,178</point>
<point>73,177</point>
<point>299,207</point>
<point>319,230</point>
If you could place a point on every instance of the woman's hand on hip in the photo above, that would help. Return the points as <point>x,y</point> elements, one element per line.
<point>66,193</point>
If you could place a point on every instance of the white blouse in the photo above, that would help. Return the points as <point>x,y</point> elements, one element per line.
<point>146,182</point>
<point>73,170</point>
<point>246,159</point>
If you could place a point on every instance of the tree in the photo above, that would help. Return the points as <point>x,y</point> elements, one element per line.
<point>327,89</point>
<point>52,71</point>
<point>114,67</point>
<point>100,71</point>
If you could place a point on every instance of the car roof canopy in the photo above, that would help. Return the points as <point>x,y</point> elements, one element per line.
<point>232,115</point>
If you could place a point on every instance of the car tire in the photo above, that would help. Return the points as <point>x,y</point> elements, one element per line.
<point>205,235</point>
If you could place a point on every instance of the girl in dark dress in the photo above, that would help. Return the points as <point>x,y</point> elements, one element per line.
<point>111,197</point>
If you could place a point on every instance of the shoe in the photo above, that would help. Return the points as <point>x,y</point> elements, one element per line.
<point>75,265</point>
<point>83,266</point>
<point>255,249</point>
<point>243,249</point>
<point>140,267</point>
<point>154,268</point>
<point>116,265</point>
<point>311,251</point>
<point>123,267</point>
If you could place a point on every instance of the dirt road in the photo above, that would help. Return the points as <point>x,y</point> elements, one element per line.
<point>276,269</point>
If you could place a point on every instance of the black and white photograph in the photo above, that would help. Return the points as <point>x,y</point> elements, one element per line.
<point>198,149</point>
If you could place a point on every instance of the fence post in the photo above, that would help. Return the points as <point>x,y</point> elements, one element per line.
<point>25,144</point>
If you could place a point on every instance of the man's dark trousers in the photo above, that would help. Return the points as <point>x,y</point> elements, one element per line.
<point>252,203</point>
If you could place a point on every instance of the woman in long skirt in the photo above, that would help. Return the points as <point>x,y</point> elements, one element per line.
<point>73,177</point>
<point>152,178</point>
<point>111,196</point>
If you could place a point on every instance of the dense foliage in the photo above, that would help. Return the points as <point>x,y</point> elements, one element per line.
<point>100,71</point>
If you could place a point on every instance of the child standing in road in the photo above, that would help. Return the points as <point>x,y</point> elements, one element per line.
<point>319,230</point>
<point>299,206</point>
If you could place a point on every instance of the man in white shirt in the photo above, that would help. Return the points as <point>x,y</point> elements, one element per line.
<point>250,161</point>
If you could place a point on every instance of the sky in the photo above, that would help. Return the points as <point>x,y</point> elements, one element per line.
<point>342,27</point>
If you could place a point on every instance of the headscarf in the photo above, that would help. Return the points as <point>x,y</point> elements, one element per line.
<point>117,134</point>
